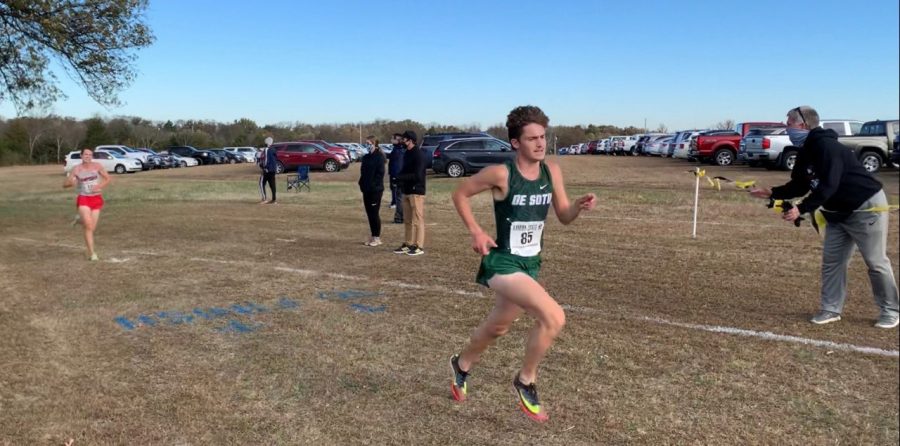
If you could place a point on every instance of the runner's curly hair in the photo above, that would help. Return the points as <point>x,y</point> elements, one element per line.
<point>523,115</point>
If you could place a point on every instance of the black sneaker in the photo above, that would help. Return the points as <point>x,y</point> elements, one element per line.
<point>415,251</point>
<point>403,249</point>
<point>458,385</point>
<point>529,402</point>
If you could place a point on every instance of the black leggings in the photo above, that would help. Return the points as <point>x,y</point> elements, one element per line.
<point>372,203</point>
<point>270,178</point>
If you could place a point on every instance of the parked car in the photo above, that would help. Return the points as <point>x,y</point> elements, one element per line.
<point>681,143</point>
<point>218,158</point>
<point>629,144</point>
<point>458,157</point>
<point>290,155</point>
<point>157,160</point>
<point>111,161</point>
<point>874,143</point>
<point>229,157</point>
<point>247,153</point>
<point>333,148</point>
<point>721,148</point>
<point>182,161</point>
<point>126,152</point>
<point>430,142</point>
<point>202,156</point>
<point>357,151</point>
<point>843,127</point>
<point>769,147</point>
<point>640,145</point>
<point>658,145</point>
<point>895,155</point>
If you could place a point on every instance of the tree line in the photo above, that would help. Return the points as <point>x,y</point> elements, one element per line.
<point>42,140</point>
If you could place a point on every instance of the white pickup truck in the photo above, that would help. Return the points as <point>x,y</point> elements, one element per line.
<point>769,147</point>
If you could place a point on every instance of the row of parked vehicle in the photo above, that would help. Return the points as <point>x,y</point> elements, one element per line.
<point>761,143</point>
<point>123,159</point>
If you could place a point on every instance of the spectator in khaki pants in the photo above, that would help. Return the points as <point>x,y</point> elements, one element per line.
<point>412,184</point>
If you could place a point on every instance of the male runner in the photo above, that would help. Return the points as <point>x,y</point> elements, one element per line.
<point>523,191</point>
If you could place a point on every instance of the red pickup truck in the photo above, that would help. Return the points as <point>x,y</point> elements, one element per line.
<point>721,147</point>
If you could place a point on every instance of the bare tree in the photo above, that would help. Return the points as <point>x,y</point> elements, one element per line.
<point>727,124</point>
<point>35,128</point>
<point>146,136</point>
<point>662,128</point>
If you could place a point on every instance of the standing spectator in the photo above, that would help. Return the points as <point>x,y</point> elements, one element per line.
<point>394,166</point>
<point>269,165</point>
<point>261,162</point>
<point>371,184</point>
<point>849,198</point>
<point>412,185</point>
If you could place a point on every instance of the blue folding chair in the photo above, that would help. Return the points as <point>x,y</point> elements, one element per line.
<point>300,180</point>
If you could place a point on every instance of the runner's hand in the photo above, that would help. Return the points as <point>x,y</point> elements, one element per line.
<point>760,192</point>
<point>587,202</point>
<point>791,214</point>
<point>482,243</point>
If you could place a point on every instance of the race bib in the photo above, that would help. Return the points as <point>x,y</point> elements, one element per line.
<point>525,238</point>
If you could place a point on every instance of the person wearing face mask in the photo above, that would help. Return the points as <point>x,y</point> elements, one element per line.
<point>840,187</point>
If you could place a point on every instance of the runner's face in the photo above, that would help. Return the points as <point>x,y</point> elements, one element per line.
<point>87,156</point>
<point>531,143</point>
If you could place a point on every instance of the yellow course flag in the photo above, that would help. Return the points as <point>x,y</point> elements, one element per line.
<point>820,222</point>
<point>737,184</point>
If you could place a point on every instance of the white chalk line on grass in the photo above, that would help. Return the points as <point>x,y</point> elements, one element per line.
<point>768,335</point>
<point>765,335</point>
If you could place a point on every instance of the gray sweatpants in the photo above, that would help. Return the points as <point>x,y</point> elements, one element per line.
<point>867,231</point>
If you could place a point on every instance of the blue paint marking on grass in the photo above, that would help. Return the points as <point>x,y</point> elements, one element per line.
<point>347,294</point>
<point>248,308</point>
<point>245,310</point>
<point>287,304</point>
<point>124,322</point>
<point>146,320</point>
<point>236,326</point>
<point>360,308</point>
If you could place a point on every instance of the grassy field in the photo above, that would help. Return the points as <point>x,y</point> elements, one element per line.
<point>214,320</point>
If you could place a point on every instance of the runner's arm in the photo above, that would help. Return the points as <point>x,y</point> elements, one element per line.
<point>567,211</point>
<point>493,177</point>
<point>105,179</point>
<point>70,179</point>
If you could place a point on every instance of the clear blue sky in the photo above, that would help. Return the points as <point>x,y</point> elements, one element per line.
<point>684,64</point>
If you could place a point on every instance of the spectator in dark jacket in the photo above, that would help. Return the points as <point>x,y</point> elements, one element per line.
<point>854,206</point>
<point>412,184</point>
<point>268,164</point>
<point>371,184</point>
<point>395,163</point>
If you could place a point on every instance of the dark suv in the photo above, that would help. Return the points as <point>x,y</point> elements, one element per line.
<point>202,156</point>
<point>430,142</point>
<point>458,157</point>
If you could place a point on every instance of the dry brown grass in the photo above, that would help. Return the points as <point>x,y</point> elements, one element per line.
<point>326,374</point>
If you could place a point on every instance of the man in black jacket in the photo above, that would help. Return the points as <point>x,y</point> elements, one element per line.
<point>854,206</point>
<point>412,183</point>
<point>395,163</point>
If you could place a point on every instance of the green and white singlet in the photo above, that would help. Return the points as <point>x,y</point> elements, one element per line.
<point>520,219</point>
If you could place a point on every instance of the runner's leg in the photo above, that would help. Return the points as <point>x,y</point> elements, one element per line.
<point>496,324</point>
<point>87,222</point>
<point>522,290</point>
